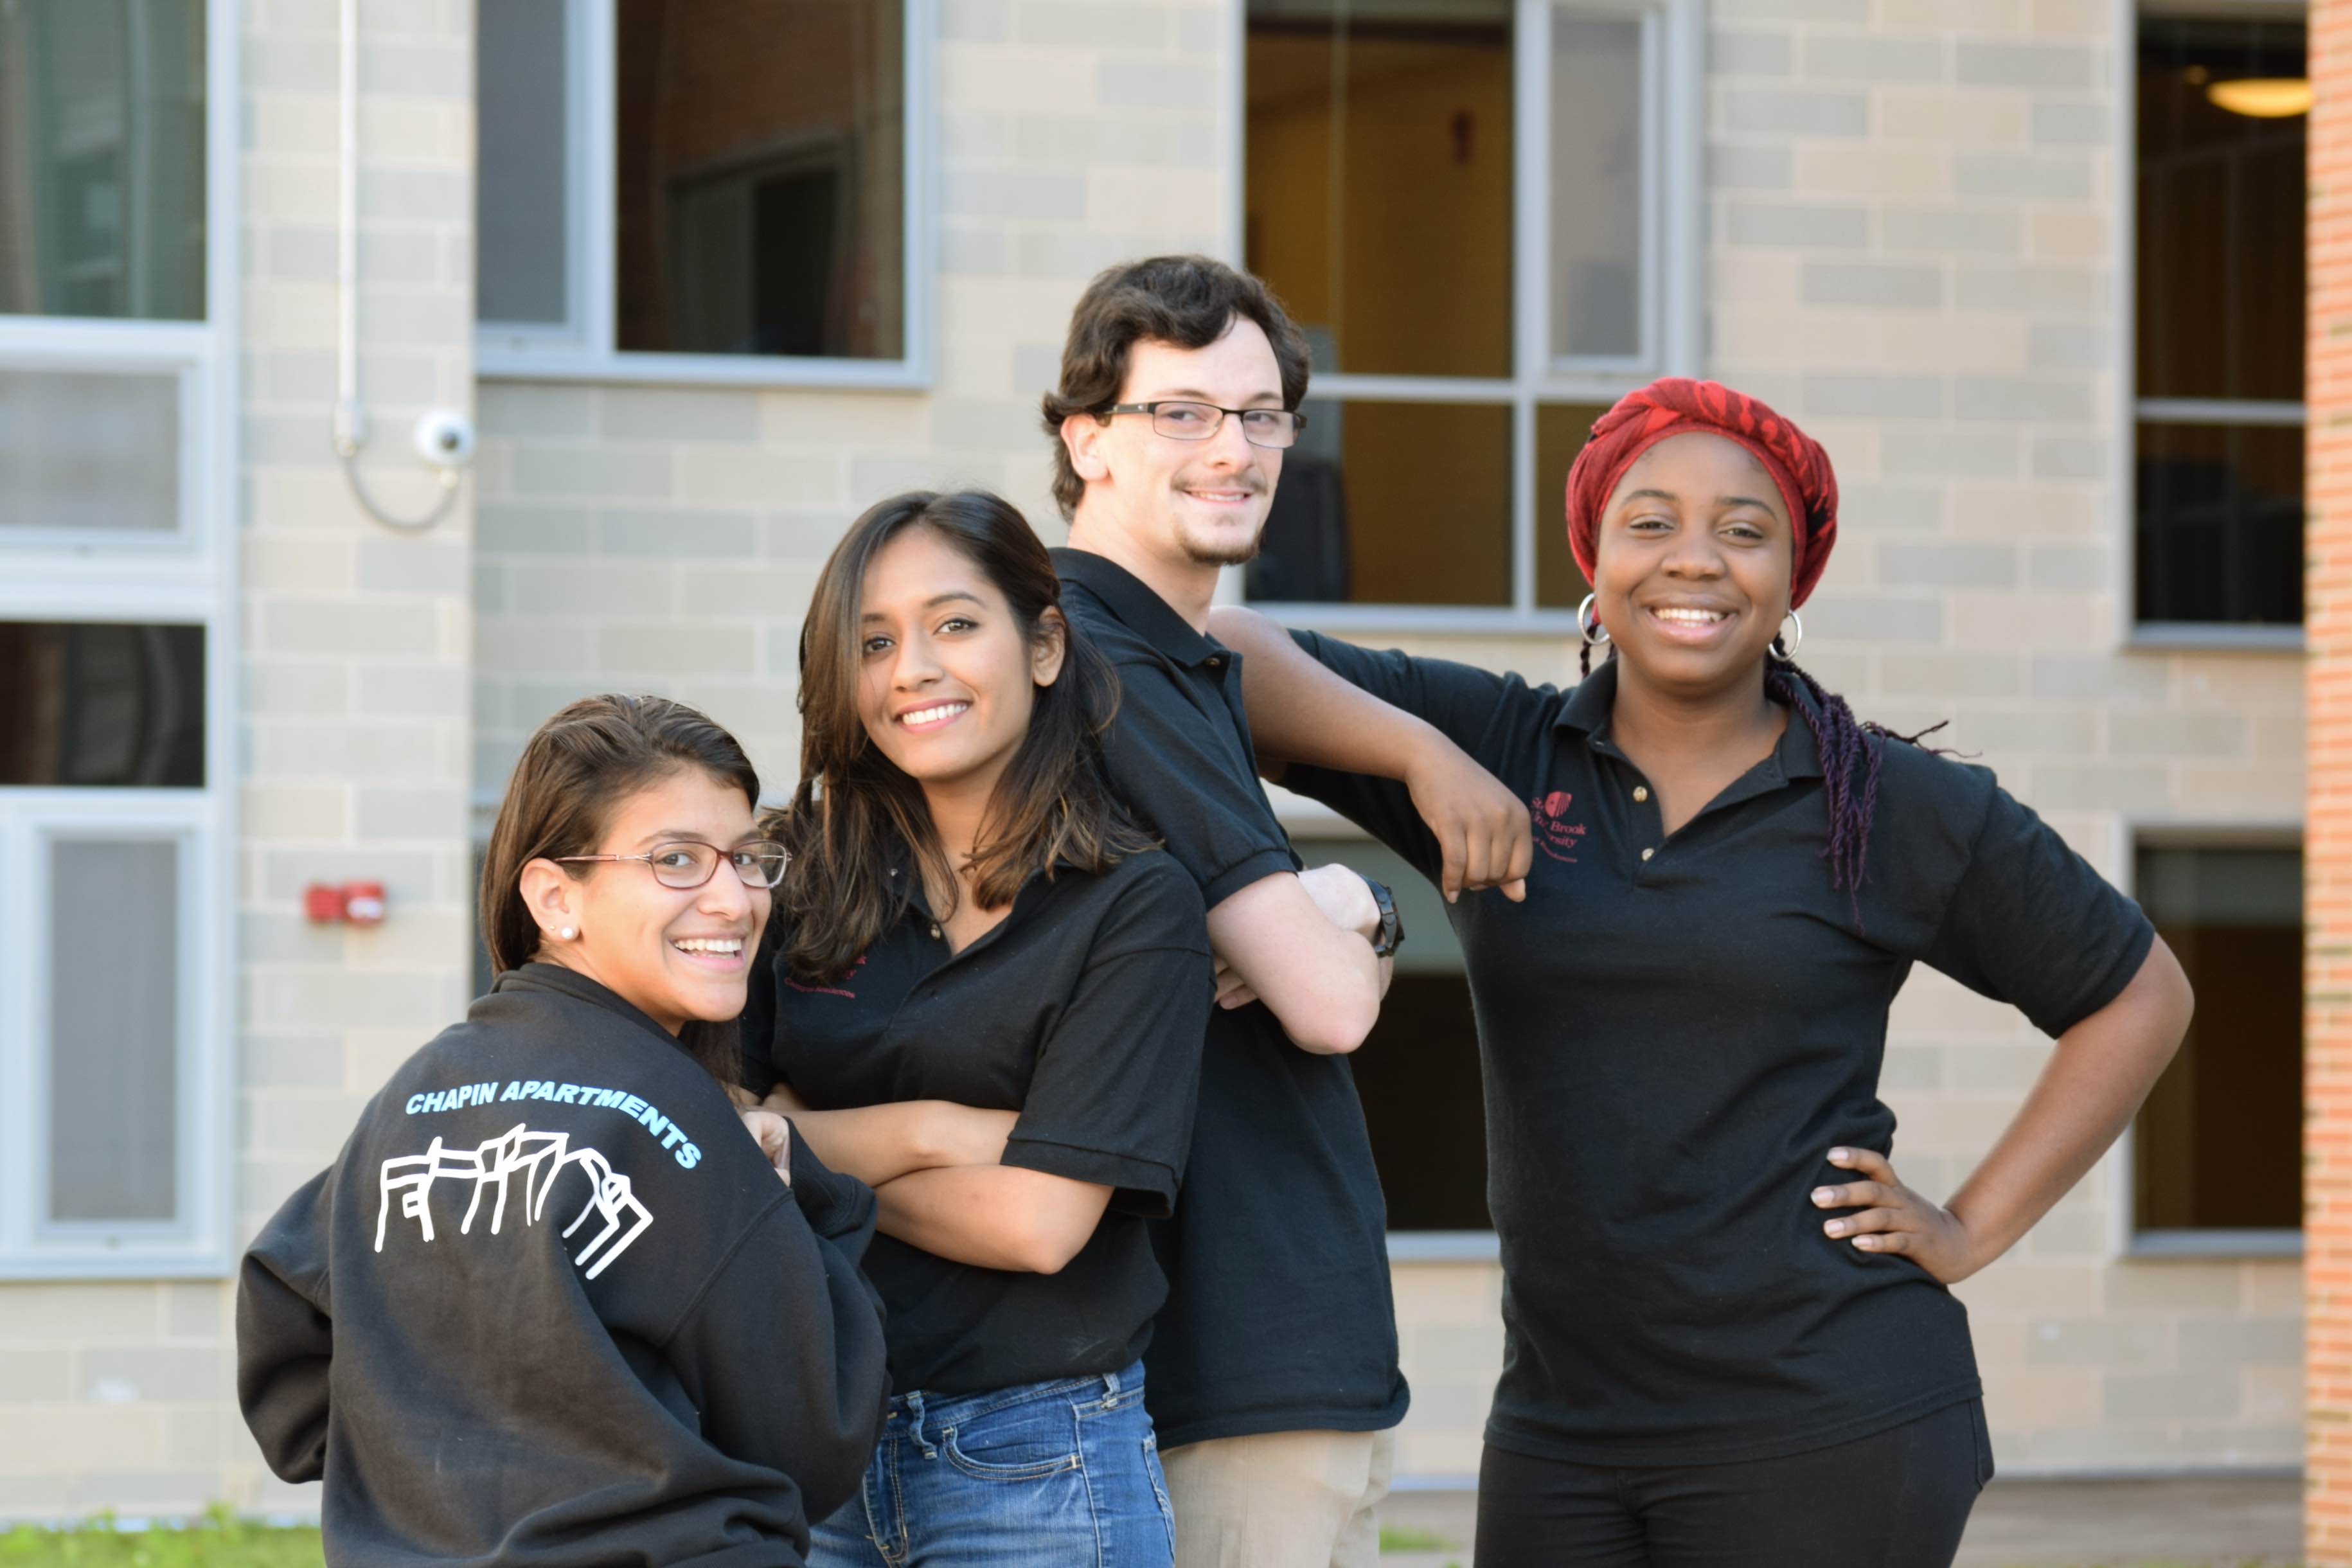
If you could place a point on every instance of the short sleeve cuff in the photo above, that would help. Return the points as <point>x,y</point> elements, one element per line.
<point>1145,1188</point>
<point>1260,865</point>
<point>2130,954</point>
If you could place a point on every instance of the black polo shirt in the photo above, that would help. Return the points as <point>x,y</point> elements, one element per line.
<point>1280,1317</point>
<point>1082,1010</point>
<point>1676,1029</point>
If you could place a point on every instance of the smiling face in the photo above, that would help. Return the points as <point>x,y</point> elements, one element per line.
<point>947,676</point>
<point>674,953</point>
<point>1188,503</point>
<point>1692,563</point>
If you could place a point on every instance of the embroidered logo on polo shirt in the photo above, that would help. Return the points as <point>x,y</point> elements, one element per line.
<point>841,990</point>
<point>1554,833</point>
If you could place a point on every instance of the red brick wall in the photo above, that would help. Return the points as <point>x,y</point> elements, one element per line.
<point>2328,1135</point>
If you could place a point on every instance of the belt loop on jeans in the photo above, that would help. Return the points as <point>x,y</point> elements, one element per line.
<point>914,1424</point>
<point>1110,1388</point>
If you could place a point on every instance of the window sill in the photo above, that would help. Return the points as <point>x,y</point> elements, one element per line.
<point>498,361</point>
<point>1459,620</point>
<point>2211,637</point>
<point>33,1267</point>
<point>1444,1246</point>
<point>2214,1246</point>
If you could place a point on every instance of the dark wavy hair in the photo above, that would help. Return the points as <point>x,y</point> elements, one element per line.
<point>855,808</point>
<point>1188,301</point>
<point>573,774</point>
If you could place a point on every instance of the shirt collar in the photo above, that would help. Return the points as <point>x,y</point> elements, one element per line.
<point>1590,702</point>
<point>1139,609</point>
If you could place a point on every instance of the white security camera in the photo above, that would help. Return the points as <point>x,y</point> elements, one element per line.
<point>445,438</point>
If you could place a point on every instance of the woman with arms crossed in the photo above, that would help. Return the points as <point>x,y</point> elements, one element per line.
<point>531,1314</point>
<point>984,992</point>
<point>1730,1336</point>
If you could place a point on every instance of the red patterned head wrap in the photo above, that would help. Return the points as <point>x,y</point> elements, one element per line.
<point>1672,406</point>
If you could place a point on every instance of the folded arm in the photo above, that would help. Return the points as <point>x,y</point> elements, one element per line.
<point>1301,712</point>
<point>994,1216</point>
<point>1274,942</point>
<point>879,1143</point>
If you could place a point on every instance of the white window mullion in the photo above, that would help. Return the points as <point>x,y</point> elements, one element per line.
<point>595,135</point>
<point>19,1121</point>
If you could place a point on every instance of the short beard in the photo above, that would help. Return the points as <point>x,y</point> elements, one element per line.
<point>1236,555</point>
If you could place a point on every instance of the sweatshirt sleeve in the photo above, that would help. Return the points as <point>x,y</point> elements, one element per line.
<point>285,1335</point>
<point>782,1352</point>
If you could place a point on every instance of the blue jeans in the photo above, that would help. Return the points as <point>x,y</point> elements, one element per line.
<point>1042,1475</point>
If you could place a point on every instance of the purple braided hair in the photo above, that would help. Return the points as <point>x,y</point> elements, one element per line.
<point>1845,745</point>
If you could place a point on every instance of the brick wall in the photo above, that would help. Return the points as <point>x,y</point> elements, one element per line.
<point>354,750</point>
<point>2328,851</point>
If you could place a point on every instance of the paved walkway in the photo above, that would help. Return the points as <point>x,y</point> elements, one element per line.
<point>2226,1522</point>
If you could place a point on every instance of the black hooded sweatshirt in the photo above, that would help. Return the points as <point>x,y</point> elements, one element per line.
<point>550,1306</point>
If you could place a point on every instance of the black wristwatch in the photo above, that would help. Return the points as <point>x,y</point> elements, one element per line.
<point>1391,935</point>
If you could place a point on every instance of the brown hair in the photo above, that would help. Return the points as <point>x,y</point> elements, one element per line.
<point>573,775</point>
<point>855,808</point>
<point>1188,301</point>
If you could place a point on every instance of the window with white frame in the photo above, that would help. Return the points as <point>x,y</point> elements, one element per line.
<point>2217,1152</point>
<point>2224,99</point>
<point>706,193</point>
<point>117,136</point>
<point>1483,213</point>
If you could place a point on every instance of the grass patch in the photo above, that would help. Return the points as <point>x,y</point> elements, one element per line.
<point>1411,1538</point>
<point>219,1540</point>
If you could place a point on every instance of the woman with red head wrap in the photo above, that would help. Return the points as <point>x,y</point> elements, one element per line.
<point>1728,1333</point>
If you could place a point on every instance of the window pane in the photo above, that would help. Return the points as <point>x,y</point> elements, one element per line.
<point>1596,185</point>
<point>88,451</point>
<point>1392,503</point>
<point>1560,432</point>
<point>95,704</point>
<point>1417,1073</point>
<point>102,158</point>
<point>1378,175</point>
<point>2221,211</point>
<point>2220,1145</point>
<point>2219,521</point>
<point>761,159</point>
<point>522,192</point>
<point>114,1027</point>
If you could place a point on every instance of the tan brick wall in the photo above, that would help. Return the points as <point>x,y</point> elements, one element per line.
<point>2327,859</point>
<point>354,745</point>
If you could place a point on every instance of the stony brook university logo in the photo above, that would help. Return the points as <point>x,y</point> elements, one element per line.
<point>1554,833</point>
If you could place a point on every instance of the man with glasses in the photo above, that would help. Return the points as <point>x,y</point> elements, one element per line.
<point>1274,1383</point>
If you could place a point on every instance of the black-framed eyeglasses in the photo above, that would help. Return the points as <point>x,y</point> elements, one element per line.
<point>1185,421</point>
<point>685,864</point>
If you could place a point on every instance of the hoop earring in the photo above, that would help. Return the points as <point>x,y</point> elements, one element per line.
<point>1783,647</point>
<point>1595,635</point>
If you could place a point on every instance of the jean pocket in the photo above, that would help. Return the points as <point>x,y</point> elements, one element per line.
<point>1025,1443</point>
<point>1151,1467</point>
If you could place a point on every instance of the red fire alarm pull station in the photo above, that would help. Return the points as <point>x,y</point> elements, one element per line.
<point>353,903</point>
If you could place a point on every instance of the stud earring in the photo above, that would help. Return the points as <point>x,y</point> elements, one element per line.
<point>567,934</point>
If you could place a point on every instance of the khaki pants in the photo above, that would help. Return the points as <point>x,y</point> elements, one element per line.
<point>1280,1499</point>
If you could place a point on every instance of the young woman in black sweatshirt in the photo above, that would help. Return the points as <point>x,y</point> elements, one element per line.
<point>552,1305</point>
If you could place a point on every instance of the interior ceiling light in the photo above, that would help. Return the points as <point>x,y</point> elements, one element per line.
<point>2263,97</point>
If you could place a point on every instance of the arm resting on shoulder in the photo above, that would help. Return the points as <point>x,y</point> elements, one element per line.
<point>1301,712</point>
<point>994,1216</point>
